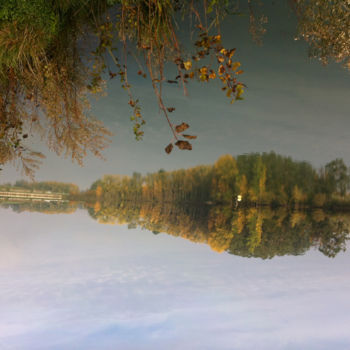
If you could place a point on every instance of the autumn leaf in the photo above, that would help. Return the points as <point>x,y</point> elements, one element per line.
<point>240,91</point>
<point>181,127</point>
<point>204,70</point>
<point>236,65</point>
<point>169,148</point>
<point>239,71</point>
<point>184,145</point>
<point>171,109</point>
<point>221,69</point>
<point>112,75</point>
<point>221,59</point>
<point>190,137</point>
<point>231,53</point>
<point>188,65</point>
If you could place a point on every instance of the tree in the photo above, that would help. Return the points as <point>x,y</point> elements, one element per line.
<point>325,25</point>
<point>46,74</point>
<point>49,65</point>
<point>224,179</point>
<point>337,176</point>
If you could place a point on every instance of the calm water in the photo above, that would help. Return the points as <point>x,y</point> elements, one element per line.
<point>68,282</point>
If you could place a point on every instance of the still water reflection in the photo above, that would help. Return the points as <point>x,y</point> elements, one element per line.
<point>68,282</point>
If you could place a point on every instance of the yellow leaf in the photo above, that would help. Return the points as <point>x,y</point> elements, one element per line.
<point>188,65</point>
<point>236,65</point>
<point>239,91</point>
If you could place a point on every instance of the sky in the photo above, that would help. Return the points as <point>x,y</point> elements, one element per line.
<point>293,105</point>
<point>67,282</point>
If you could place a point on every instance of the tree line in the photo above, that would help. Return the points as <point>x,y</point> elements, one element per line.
<point>251,179</point>
<point>43,186</point>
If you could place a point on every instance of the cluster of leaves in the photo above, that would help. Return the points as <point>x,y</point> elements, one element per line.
<point>325,25</point>
<point>149,27</point>
<point>43,82</point>
<point>226,70</point>
<point>223,69</point>
<point>46,74</point>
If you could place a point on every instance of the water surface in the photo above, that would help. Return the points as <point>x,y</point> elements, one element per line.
<point>67,282</point>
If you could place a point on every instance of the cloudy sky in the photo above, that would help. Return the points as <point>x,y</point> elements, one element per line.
<point>293,105</point>
<point>67,282</point>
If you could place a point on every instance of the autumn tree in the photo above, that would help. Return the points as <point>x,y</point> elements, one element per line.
<point>336,173</point>
<point>325,25</point>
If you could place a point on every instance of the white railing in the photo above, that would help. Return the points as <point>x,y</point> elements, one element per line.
<point>10,194</point>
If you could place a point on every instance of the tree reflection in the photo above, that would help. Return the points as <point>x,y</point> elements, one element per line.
<point>252,232</point>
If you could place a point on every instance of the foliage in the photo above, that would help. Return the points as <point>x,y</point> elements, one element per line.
<point>265,179</point>
<point>43,81</point>
<point>52,186</point>
<point>250,233</point>
<point>325,25</point>
<point>49,64</point>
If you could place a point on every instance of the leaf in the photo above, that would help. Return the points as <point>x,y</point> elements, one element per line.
<point>235,65</point>
<point>188,65</point>
<point>169,148</point>
<point>184,145</point>
<point>182,127</point>
<point>112,75</point>
<point>221,69</point>
<point>171,109</point>
<point>240,91</point>
<point>231,53</point>
<point>172,81</point>
<point>220,59</point>
<point>239,71</point>
<point>190,137</point>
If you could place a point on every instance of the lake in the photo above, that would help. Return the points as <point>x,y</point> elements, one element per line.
<point>68,282</point>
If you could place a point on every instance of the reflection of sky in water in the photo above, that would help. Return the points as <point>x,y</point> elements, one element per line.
<point>67,282</point>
